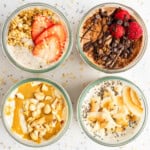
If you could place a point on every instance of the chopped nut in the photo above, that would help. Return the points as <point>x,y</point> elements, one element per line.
<point>57,94</point>
<point>48,98</point>
<point>44,87</point>
<point>32,107</point>
<point>30,119</point>
<point>33,100</point>
<point>29,128</point>
<point>20,96</point>
<point>34,135</point>
<point>58,117</point>
<point>36,113</point>
<point>35,83</point>
<point>53,124</point>
<point>54,104</point>
<point>47,127</point>
<point>38,122</point>
<point>40,105</point>
<point>39,95</point>
<point>47,109</point>
<point>25,105</point>
<point>42,132</point>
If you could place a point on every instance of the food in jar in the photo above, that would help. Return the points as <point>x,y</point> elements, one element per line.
<point>111,36</point>
<point>112,111</point>
<point>35,111</point>
<point>37,37</point>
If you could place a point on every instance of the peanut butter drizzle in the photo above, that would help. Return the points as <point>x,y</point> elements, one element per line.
<point>16,126</point>
<point>28,91</point>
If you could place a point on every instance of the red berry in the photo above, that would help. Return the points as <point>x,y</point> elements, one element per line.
<point>116,30</point>
<point>49,49</point>
<point>39,24</point>
<point>122,15</point>
<point>134,31</point>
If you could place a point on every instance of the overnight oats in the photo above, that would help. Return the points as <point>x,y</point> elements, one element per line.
<point>36,112</point>
<point>37,37</point>
<point>111,37</point>
<point>112,111</point>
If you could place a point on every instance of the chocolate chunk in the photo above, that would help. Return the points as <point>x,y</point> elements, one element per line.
<point>104,58</point>
<point>106,34</point>
<point>127,44</point>
<point>115,49</point>
<point>114,44</point>
<point>104,14</point>
<point>96,45</point>
<point>125,54</point>
<point>88,46</point>
<point>112,55</point>
<point>120,46</point>
<point>100,11</point>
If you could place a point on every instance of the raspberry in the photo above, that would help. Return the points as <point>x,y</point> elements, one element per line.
<point>116,30</point>
<point>122,15</point>
<point>134,31</point>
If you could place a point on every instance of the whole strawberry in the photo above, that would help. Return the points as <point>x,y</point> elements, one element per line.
<point>116,30</point>
<point>122,14</point>
<point>134,31</point>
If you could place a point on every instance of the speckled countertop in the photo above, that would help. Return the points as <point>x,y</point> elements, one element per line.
<point>75,78</point>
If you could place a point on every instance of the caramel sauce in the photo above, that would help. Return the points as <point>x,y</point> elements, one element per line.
<point>28,91</point>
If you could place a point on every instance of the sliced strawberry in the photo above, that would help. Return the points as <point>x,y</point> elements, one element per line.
<point>48,49</point>
<point>39,24</point>
<point>57,29</point>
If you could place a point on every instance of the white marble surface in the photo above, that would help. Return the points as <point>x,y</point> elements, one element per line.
<point>74,75</point>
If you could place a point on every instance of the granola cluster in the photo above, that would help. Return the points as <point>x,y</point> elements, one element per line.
<point>20,27</point>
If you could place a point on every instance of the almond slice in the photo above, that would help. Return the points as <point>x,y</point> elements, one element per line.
<point>129,103</point>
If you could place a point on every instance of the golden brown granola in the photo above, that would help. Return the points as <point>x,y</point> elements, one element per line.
<point>20,27</point>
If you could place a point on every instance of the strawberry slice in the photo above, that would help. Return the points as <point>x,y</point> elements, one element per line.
<point>39,24</point>
<point>57,29</point>
<point>48,49</point>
